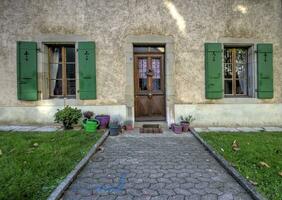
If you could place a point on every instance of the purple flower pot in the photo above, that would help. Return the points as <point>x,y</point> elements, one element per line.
<point>177,129</point>
<point>104,120</point>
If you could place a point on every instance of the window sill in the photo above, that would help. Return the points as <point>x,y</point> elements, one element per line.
<point>240,100</point>
<point>58,101</point>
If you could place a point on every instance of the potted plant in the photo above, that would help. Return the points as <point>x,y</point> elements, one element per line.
<point>115,128</point>
<point>186,121</point>
<point>176,128</point>
<point>89,124</point>
<point>88,114</point>
<point>104,120</point>
<point>68,116</point>
<point>128,125</point>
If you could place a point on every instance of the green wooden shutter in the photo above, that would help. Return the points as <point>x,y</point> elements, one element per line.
<point>27,71</point>
<point>265,71</point>
<point>87,70</point>
<point>213,70</point>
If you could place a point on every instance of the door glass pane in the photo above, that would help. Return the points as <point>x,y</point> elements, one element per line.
<point>142,69</point>
<point>152,49</point>
<point>70,53</point>
<point>156,67</point>
<point>55,71</point>
<point>228,87</point>
<point>70,70</point>
<point>56,87</point>
<point>71,87</point>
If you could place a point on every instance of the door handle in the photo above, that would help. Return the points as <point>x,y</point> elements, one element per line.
<point>150,95</point>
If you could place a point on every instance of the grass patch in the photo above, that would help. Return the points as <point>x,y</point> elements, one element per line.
<point>254,148</point>
<point>31,171</point>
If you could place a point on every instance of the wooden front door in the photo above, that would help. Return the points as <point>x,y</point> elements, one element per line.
<point>149,87</point>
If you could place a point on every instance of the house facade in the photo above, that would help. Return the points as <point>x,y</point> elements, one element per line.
<point>143,60</point>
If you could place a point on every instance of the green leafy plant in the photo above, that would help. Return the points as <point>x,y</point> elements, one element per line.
<point>68,116</point>
<point>187,119</point>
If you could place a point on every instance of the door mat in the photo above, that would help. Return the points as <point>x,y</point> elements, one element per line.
<point>150,130</point>
<point>151,126</point>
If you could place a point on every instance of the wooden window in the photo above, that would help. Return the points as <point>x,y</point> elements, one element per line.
<point>235,71</point>
<point>62,71</point>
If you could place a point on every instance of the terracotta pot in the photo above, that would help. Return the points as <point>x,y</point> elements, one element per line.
<point>185,126</point>
<point>128,127</point>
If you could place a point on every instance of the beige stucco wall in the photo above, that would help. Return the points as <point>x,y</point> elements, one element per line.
<point>190,23</point>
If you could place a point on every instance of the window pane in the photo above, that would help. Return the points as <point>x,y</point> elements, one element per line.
<point>241,71</point>
<point>241,86</point>
<point>55,54</point>
<point>56,71</point>
<point>142,67</point>
<point>227,55</point>
<point>70,53</point>
<point>56,87</point>
<point>228,87</point>
<point>241,55</point>
<point>71,87</point>
<point>227,70</point>
<point>70,70</point>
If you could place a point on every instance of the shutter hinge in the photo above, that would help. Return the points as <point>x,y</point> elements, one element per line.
<point>255,51</point>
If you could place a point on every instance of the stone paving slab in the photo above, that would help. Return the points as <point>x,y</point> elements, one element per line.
<point>27,128</point>
<point>147,166</point>
<point>222,129</point>
<point>248,129</point>
<point>278,129</point>
<point>6,128</point>
<point>239,129</point>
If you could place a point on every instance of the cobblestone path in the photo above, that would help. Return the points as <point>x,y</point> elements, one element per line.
<point>154,167</point>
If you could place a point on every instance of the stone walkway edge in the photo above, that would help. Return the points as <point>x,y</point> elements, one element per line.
<point>51,128</point>
<point>58,192</point>
<point>231,170</point>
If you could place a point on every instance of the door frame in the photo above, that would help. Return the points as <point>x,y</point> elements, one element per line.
<point>162,82</point>
<point>168,43</point>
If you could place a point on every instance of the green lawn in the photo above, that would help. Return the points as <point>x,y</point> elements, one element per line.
<point>254,148</point>
<point>33,164</point>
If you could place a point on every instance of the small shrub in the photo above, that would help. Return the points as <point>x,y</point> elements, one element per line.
<point>88,114</point>
<point>68,116</point>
